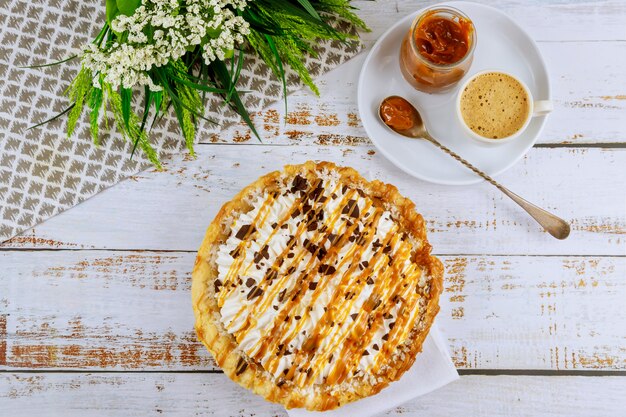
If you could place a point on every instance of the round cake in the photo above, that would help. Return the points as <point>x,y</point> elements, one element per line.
<point>315,287</point>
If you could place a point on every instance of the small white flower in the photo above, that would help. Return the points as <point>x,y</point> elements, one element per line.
<point>127,64</point>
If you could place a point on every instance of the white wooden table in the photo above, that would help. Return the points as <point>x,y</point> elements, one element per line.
<point>95,312</point>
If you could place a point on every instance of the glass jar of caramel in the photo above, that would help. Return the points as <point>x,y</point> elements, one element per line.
<point>438,49</point>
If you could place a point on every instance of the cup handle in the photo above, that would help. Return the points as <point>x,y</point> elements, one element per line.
<point>542,107</point>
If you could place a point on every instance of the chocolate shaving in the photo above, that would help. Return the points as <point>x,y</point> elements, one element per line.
<point>242,365</point>
<point>351,209</point>
<point>217,284</point>
<point>354,316</point>
<point>321,253</point>
<point>250,282</point>
<point>312,286</point>
<point>290,255</point>
<point>254,292</point>
<point>317,191</point>
<point>281,295</point>
<point>326,269</point>
<point>365,352</point>
<point>370,281</point>
<point>244,231</point>
<point>271,275</point>
<point>385,337</point>
<point>284,226</point>
<point>299,184</point>
<point>235,252</point>
<point>375,346</point>
<point>297,317</point>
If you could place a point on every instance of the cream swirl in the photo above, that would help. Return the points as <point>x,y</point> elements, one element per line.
<point>317,284</point>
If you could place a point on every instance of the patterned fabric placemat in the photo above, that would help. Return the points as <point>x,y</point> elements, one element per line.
<point>42,172</point>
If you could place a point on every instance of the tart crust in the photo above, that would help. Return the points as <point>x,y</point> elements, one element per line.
<point>251,374</point>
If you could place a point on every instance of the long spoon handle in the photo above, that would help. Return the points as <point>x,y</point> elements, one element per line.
<point>554,225</point>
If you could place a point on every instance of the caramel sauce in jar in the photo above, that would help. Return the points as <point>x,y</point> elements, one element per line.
<point>438,49</point>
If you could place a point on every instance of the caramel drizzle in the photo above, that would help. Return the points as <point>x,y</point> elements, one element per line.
<point>262,306</point>
<point>266,299</point>
<point>284,317</point>
<point>356,330</point>
<point>353,347</point>
<point>227,287</point>
<point>313,337</point>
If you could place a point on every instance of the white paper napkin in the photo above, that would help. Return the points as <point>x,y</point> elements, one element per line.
<point>433,368</point>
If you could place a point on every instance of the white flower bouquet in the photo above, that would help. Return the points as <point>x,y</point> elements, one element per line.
<point>177,51</point>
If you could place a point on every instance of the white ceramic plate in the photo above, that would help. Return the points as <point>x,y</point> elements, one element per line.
<point>501,45</point>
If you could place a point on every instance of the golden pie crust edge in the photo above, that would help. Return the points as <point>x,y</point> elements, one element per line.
<point>250,374</point>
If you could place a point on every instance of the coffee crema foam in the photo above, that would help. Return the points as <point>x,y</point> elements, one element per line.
<point>495,105</point>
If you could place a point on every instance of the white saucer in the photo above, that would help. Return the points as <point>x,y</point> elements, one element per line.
<point>501,45</point>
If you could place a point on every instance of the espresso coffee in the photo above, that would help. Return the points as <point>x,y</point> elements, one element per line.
<point>495,105</point>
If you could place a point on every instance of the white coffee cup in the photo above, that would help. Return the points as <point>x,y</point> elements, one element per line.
<point>538,108</point>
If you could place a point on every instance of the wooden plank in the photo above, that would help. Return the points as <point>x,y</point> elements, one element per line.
<point>132,394</point>
<point>107,310</point>
<point>545,20</point>
<point>590,101</point>
<point>170,210</point>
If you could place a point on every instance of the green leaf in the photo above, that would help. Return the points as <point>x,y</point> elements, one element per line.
<point>95,103</point>
<point>196,85</point>
<point>131,131</point>
<point>236,75</point>
<point>221,74</point>
<point>148,97</point>
<point>52,118</point>
<point>128,7</point>
<point>51,63</point>
<point>77,92</point>
<point>162,76</point>
<point>279,64</point>
<point>111,10</point>
<point>127,98</point>
<point>309,8</point>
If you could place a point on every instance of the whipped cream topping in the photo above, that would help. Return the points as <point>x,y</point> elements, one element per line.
<point>316,283</point>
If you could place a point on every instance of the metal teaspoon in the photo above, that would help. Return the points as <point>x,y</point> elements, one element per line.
<point>554,225</point>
